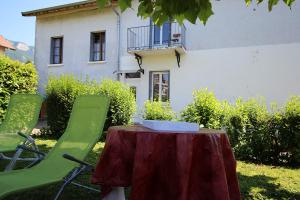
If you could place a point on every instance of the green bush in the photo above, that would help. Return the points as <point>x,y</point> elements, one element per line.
<point>204,110</point>
<point>262,136</point>
<point>62,92</point>
<point>122,102</point>
<point>158,110</point>
<point>289,131</point>
<point>246,126</point>
<point>15,77</point>
<point>255,133</point>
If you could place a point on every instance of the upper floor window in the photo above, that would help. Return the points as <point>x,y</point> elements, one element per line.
<point>97,46</point>
<point>56,50</point>
<point>162,34</point>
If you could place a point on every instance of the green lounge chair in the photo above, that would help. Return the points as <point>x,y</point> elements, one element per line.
<point>21,116</point>
<point>83,131</point>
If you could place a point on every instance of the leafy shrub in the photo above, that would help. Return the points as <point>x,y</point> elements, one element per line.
<point>246,127</point>
<point>289,131</point>
<point>255,133</point>
<point>62,92</point>
<point>158,110</point>
<point>122,102</point>
<point>204,110</point>
<point>15,77</point>
<point>266,137</point>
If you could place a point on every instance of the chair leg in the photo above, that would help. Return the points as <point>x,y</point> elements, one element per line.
<point>76,172</point>
<point>1,156</point>
<point>61,189</point>
<point>70,180</point>
<point>16,156</point>
<point>13,161</point>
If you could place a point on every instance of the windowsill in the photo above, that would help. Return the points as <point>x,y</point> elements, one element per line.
<point>97,62</point>
<point>56,65</point>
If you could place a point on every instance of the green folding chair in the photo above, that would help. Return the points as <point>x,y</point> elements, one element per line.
<point>21,117</point>
<point>83,131</point>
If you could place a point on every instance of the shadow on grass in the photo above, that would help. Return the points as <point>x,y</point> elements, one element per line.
<point>263,187</point>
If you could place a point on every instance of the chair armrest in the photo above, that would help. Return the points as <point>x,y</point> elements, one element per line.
<point>71,158</point>
<point>31,150</point>
<point>27,137</point>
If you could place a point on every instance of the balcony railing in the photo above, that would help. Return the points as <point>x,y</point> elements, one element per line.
<point>169,35</point>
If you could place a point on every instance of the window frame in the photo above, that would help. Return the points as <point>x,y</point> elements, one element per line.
<point>53,47</point>
<point>151,73</point>
<point>102,49</point>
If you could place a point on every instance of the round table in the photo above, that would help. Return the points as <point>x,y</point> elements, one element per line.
<point>161,165</point>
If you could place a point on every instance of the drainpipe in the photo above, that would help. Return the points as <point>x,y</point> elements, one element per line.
<point>119,41</point>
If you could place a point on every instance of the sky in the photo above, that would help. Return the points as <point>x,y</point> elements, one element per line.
<point>13,26</point>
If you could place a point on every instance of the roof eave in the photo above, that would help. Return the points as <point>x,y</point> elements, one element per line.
<point>89,4</point>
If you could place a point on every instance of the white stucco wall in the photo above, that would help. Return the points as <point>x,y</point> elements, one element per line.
<point>236,25</point>
<point>241,52</point>
<point>76,29</point>
<point>255,71</point>
<point>233,25</point>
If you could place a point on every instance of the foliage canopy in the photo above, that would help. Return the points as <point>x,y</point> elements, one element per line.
<point>191,10</point>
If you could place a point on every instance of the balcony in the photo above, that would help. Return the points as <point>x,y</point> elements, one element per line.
<point>152,39</point>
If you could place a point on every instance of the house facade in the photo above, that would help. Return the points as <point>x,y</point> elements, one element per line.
<point>241,52</point>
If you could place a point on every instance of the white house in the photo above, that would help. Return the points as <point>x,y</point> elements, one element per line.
<point>241,52</point>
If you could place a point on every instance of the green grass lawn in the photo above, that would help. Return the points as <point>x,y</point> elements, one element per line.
<point>256,181</point>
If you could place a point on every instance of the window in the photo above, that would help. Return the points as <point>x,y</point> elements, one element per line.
<point>133,75</point>
<point>159,86</point>
<point>56,56</point>
<point>162,35</point>
<point>97,46</point>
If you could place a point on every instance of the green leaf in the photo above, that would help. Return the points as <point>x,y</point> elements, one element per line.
<point>248,2</point>
<point>102,3</point>
<point>272,3</point>
<point>124,4</point>
<point>205,12</point>
<point>191,16</point>
<point>191,10</point>
<point>289,2</point>
<point>179,19</point>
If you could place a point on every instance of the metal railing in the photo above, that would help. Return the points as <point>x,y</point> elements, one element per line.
<point>154,37</point>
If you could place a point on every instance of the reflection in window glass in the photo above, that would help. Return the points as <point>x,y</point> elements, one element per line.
<point>160,86</point>
<point>97,46</point>
<point>165,88</point>
<point>155,87</point>
<point>56,50</point>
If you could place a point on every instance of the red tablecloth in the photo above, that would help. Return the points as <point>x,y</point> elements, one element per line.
<point>168,166</point>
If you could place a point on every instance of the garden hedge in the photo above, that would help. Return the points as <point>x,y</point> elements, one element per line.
<point>62,91</point>
<point>15,77</point>
<point>256,133</point>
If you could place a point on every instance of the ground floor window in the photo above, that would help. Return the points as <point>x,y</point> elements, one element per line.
<point>160,86</point>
